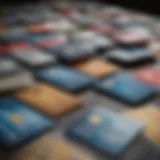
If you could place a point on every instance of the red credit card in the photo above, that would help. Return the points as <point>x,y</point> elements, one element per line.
<point>8,48</point>
<point>129,38</point>
<point>45,43</point>
<point>39,28</point>
<point>104,29</point>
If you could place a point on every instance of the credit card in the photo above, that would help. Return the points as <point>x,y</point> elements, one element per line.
<point>16,81</point>
<point>97,68</point>
<point>149,75</point>
<point>64,77</point>
<point>33,58</point>
<point>73,52</point>
<point>7,48</point>
<point>45,41</point>
<point>150,115</point>
<point>50,147</point>
<point>105,130</point>
<point>8,67</point>
<point>102,29</point>
<point>122,22</point>
<point>92,38</point>
<point>64,26</point>
<point>131,38</point>
<point>49,100</point>
<point>14,34</point>
<point>103,43</point>
<point>125,87</point>
<point>40,28</point>
<point>49,42</point>
<point>130,57</point>
<point>19,123</point>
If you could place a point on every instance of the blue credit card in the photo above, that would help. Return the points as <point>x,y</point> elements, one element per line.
<point>9,67</point>
<point>105,130</point>
<point>65,77</point>
<point>19,123</point>
<point>129,55</point>
<point>125,23</point>
<point>125,87</point>
<point>51,39</point>
<point>52,43</point>
<point>75,51</point>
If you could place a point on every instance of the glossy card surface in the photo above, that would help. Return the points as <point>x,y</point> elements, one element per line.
<point>19,123</point>
<point>130,55</point>
<point>8,67</point>
<point>64,77</point>
<point>34,57</point>
<point>97,68</point>
<point>54,104</point>
<point>105,130</point>
<point>125,87</point>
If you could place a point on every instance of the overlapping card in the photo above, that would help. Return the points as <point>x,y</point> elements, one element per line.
<point>105,130</point>
<point>49,100</point>
<point>19,123</point>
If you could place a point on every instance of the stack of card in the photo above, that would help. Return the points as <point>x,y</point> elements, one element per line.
<point>50,147</point>
<point>20,124</point>
<point>130,57</point>
<point>102,129</point>
<point>131,37</point>
<point>13,76</point>
<point>150,115</point>
<point>32,57</point>
<point>50,101</point>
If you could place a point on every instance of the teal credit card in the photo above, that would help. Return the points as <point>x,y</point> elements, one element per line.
<point>20,123</point>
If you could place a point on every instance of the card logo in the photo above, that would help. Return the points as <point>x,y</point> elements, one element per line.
<point>95,120</point>
<point>15,118</point>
